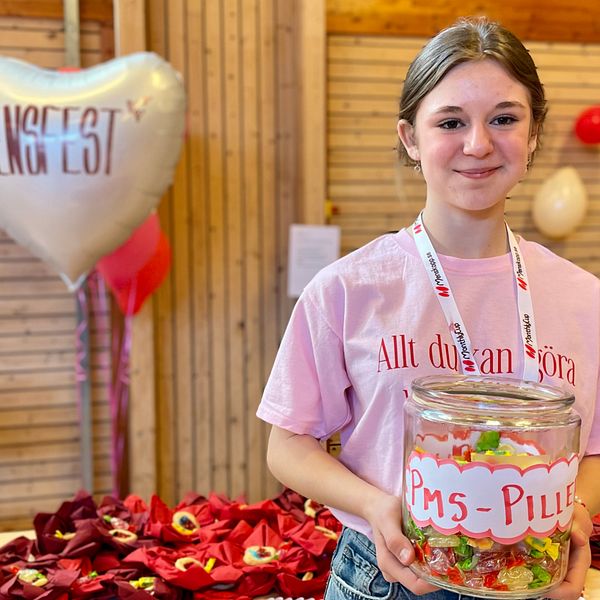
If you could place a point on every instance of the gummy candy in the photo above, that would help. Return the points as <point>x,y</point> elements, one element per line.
<point>484,564</point>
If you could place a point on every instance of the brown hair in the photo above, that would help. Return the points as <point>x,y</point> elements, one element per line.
<point>470,39</point>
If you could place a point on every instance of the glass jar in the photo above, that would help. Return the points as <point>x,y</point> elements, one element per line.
<point>489,484</point>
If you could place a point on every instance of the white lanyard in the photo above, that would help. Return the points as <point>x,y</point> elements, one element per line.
<point>456,325</point>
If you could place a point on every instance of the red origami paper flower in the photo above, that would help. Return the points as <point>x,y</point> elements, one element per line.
<point>29,583</point>
<point>135,505</point>
<point>205,548</point>
<point>297,587</point>
<point>131,514</point>
<point>51,528</point>
<point>18,549</point>
<point>315,539</point>
<point>150,588</point>
<point>252,513</point>
<point>176,526</point>
<point>165,563</point>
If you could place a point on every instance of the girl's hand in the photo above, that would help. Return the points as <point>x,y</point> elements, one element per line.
<point>580,557</point>
<point>394,550</point>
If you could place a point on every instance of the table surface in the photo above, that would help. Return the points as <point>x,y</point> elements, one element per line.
<point>592,583</point>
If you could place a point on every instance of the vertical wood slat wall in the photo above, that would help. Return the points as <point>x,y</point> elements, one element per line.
<point>221,313</point>
<point>39,427</point>
<point>219,316</point>
<point>373,194</point>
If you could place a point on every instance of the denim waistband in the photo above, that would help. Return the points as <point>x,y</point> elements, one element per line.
<point>355,575</point>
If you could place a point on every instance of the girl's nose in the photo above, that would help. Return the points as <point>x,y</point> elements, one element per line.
<point>478,141</point>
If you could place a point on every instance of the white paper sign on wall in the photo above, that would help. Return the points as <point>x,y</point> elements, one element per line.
<point>311,247</point>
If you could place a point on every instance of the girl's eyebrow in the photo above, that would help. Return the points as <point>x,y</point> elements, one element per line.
<point>504,104</point>
<point>511,104</point>
<point>448,109</point>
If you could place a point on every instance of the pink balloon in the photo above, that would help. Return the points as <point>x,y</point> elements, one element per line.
<point>122,265</point>
<point>587,126</point>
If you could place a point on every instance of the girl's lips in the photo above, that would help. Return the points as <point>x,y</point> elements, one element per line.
<point>478,173</point>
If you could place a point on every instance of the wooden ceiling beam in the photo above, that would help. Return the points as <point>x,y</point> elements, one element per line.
<point>551,21</point>
<point>89,10</point>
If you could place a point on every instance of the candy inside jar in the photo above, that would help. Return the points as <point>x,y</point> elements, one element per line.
<point>489,484</point>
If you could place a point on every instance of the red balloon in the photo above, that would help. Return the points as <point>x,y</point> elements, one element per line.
<point>587,126</point>
<point>120,266</point>
<point>131,296</point>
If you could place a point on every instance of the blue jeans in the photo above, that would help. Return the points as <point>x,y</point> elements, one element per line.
<point>356,576</point>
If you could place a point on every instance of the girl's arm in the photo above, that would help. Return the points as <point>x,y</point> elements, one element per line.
<point>587,488</point>
<point>301,463</point>
<point>580,556</point>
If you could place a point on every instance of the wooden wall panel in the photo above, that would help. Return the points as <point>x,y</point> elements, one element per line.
<point>89,10</point>
<point>219,317</point>
<point>373,194</point>
<point>140,411</point>
<point>41,41</point>
<point>553,20</point>
<point>39,427</point>
<point>215,325</point>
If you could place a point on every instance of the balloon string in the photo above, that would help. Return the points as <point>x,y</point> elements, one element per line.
<point>91,298</point>
<point>120,405</point>
<point>84,388</point>
<point>121,339</point>
<point>81,355</point>
<point>132,295</point>
<point>119,394</point>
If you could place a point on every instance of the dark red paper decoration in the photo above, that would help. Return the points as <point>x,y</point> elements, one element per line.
<point>93,564</point>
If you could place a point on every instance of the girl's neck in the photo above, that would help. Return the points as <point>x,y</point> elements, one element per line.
<point>467,234</point>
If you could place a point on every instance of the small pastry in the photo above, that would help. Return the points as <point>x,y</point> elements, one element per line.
<point>144,583</point>
<point>185,522</point>
<point>64,536</point>
<point>123,535</point>
<point>32,576</point>
<point>260,555</point>
<point>115,522</point>
<point>185,562</point>
<point>328,533</point>
<point>309,509</point>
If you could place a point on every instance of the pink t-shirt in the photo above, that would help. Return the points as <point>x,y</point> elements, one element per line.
<point>369,324</point>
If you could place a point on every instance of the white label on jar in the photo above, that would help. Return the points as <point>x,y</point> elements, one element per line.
<point>501,501</point>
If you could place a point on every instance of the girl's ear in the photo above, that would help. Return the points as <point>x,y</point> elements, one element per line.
<point>406,133</point>
<point>532,145</point>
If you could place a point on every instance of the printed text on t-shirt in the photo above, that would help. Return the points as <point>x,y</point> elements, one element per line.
<point>401,352</point>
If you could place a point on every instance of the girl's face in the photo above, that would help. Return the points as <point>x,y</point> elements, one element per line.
<point>473,136</point>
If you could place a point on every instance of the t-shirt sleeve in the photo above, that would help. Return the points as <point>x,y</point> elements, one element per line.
<point>593,445</point>
<point>305,392</point>
<point>593,442</point>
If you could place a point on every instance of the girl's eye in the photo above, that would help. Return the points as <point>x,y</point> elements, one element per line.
<point>450,124</point>
<point>504,120</point>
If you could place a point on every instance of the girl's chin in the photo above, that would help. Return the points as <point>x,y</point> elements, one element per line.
<point>477,204</point>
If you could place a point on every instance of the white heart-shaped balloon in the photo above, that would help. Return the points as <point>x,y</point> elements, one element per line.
<point>560,204</point>
<point>85,156</point>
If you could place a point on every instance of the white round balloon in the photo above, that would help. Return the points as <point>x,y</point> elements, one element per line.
<point>86,154</point>
<point>560,204</point>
